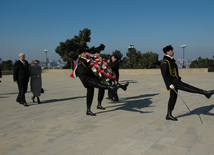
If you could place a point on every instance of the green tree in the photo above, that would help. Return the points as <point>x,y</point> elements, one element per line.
<point>68,50</point>
<point>105,56</point>
<point>150,60</point>
<point>133,58</point>
<point>118,54</point>
<point>203,63</point>
<point>6,65</point>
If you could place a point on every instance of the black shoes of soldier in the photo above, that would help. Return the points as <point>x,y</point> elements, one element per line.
<point>89,112</point>
<point>100,107</point>
<point>208,94</point>
<point>170,117</point>
<point>124,87</point>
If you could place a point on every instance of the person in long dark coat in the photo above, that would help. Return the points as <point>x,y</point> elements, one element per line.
<point>21,77</point>
<point>36,80</point>
<point>170,74</point>
<point>89,80</point>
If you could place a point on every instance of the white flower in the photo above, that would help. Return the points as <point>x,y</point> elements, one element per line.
<point>104,66</point>
<point>87,60</point>
<point>107,79</point>
<point>94,69</point>
<point>100,74</point>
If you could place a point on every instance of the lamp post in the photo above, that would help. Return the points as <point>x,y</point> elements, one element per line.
<point>131,58</point>
<point>183,46</point>
<point>46,51</point>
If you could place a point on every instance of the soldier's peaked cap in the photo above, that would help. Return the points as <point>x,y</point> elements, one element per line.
<point>167,48</point>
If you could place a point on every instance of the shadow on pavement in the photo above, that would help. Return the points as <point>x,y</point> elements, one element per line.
<point>133,104</point>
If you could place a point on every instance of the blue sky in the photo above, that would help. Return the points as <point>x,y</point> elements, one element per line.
<point>30,26</point>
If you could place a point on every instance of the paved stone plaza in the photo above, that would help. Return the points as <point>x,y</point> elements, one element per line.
<point>133,126</point>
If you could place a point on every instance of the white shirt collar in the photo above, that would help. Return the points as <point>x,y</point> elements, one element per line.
<point>21,61</point>
<point>169,56</point>
<point>82,57</point>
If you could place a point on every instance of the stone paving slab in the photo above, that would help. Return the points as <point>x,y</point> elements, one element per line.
<point>135,125</point>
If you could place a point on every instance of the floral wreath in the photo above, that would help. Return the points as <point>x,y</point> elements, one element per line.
<point>101,69</point>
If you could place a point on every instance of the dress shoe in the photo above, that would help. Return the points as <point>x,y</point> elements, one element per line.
<point>89,112</point>
<point>208,94</point>
<point>170,117</point>
<point>100,107</point>
<point>25,104</point>
<point>33,99</point>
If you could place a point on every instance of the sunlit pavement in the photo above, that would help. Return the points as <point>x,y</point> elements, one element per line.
<point>133,126</point>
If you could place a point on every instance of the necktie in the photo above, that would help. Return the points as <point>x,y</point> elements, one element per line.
<point>25,64</point>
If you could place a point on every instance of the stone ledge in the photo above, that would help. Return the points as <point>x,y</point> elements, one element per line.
<point>122,71</point>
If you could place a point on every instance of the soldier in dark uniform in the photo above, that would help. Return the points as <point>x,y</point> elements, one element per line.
<point>169,71</point>
<point>101,91</point>
<point>89,80</point>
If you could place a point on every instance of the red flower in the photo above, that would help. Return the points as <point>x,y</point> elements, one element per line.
<point>98,70</point>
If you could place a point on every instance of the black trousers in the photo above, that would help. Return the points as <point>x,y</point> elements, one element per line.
<point>93,83</point>
<point>181,86</point>
<point>22,86</point>
<point>101,93</point>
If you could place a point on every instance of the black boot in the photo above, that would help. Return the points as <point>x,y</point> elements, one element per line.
<point>33,99</point>
<point>124,87</point>
<point>208,94</point>
<point>100,107</point>
<point>170,117</point>
<point>38,100</point>
<point>89,112</point>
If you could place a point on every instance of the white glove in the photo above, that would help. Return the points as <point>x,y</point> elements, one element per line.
<point>172,86</point>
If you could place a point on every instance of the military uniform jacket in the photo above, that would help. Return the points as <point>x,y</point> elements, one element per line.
<point>84,72</point>
<point>169,71</point>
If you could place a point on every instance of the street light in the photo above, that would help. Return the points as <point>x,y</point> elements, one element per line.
<point>183,46</point>
<point>46,51</point>
<point>131,59</point>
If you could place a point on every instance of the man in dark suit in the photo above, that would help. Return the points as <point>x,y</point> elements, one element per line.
<point>89,80</point>
<point>170,74</point>
<point>115,68</point>
<point>21,77</point>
